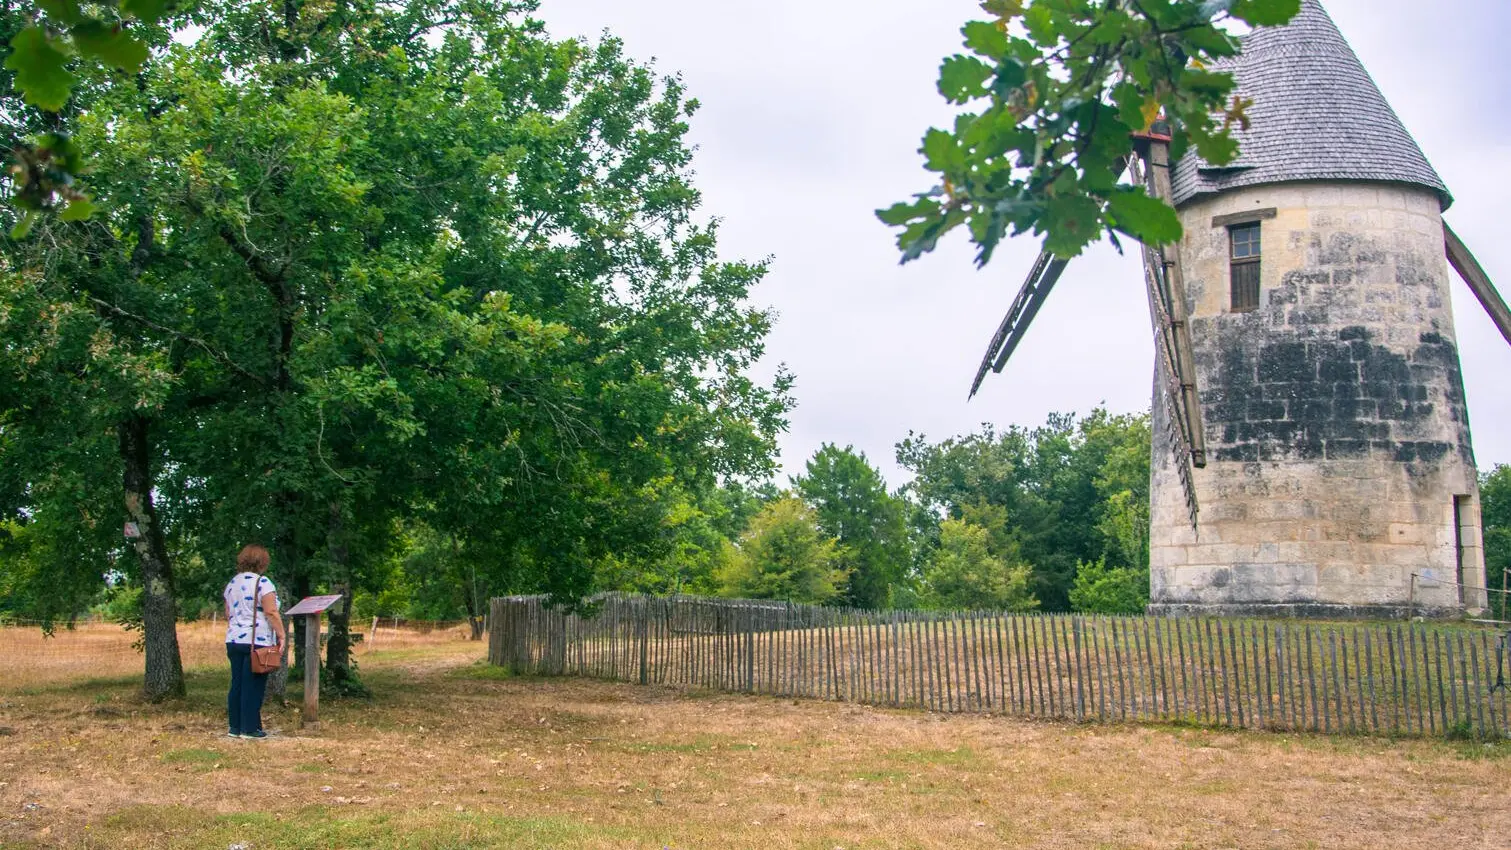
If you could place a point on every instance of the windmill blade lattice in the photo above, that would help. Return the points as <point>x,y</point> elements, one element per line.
<point>1173,358</point>
<point>1041,279</point>
<point>1168,382</point>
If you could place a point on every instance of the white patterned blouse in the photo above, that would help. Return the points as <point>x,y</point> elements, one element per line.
<point>243,594</point>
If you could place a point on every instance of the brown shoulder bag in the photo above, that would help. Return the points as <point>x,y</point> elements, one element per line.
<point>265,659</point>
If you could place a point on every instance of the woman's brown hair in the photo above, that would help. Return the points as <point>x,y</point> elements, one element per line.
<point>253,559</point>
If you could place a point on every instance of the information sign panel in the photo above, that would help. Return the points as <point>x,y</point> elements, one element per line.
<point>313,604</point>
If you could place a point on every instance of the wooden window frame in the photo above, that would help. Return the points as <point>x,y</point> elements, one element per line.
<point>1247,266</point>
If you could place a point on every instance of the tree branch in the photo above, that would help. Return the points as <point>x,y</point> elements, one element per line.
<point>214,352</point>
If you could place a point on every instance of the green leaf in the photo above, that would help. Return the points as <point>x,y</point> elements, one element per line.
<point>111,45</point>
<point>23,227</point>
<point>1073,81</point>
<point>65,12</point>
<point>1109,140</point>
<point>146,10</point>
<point>994,133</point>
<point>1146,219</point>
<point>1130,102</point>
<point>1070,223</point>
<point>1212,40</point>
<point>1265,13</point>
<point>1003,8</point>
<point>1065,183</point>
<point>941,152</point>
<point>78,209</point>
<point>1109,28</point>
<point>985,39</point>
<point>1010,75</point>
<point>1218,148</point>
<point>963,78</point>
<point>1039,22</point>
<point>987,231</point>
<point>922,237</point>
<point>900,214</point>
<point>38,62</point>
<point>1216,84</point>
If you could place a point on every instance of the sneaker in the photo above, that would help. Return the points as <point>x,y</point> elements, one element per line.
<point>232,733</point>
<point>258,734</point>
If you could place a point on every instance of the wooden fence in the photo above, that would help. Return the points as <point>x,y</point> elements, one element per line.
<point>1381,678</point>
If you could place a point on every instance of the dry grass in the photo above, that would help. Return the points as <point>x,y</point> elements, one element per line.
<point>104,650</point>
<point>451,754</point>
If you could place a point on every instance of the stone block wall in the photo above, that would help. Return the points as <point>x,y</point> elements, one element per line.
<point>1334,414</point>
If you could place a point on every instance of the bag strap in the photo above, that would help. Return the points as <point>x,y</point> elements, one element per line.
<point>256,598</point>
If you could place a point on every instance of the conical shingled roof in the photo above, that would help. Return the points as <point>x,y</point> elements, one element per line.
<point>1317,115</point>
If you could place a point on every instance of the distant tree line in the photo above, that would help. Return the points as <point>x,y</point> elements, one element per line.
<point>1051,518</point>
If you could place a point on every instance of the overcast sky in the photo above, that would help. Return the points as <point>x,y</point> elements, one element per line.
<point>812,114</point>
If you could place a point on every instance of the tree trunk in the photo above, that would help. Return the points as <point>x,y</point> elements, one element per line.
<point>293,585</point>
<point>165,670</point>
<point>300,625</point>
<point>473,596</point>
<point>278,680</point>
<point>338,647</point>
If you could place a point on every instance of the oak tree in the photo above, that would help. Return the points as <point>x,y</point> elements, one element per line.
<point>1051,93</point>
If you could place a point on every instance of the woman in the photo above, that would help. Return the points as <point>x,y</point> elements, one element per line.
<point>251,614</point>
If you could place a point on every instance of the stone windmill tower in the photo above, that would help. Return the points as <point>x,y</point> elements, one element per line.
<point>1312,450</point>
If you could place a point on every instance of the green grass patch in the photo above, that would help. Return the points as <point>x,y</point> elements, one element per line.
<point>699,744</point>
<point>1482,750</point>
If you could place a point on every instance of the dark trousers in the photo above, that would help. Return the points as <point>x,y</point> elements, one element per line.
<point>244,702</point>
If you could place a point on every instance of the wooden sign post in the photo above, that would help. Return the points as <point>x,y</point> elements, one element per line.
<point>310,607</point>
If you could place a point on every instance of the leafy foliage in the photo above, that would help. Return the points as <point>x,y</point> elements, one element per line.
<point>44,50</point>
<point>1047,496</point>
<point>850,499</point>
<point>494,314</point>
<point>1100,589</point>
<point>1053,92</point>
<point>964,573</point>
<point>1495,520</point>
<point>785,556</point>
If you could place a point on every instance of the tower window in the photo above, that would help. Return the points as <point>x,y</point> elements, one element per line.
<point>1243,258</point>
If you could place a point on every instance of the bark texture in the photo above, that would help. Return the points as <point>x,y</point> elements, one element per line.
<point>164,677</point>
<point>338,645</point>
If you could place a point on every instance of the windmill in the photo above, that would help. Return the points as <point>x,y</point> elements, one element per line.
<point>1307,389</point>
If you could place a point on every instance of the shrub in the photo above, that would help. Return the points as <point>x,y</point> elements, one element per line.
<point>784,556</point>
<point>965,574</point>
<point>1100,589</point>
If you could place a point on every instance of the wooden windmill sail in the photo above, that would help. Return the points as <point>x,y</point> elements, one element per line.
<point>1165,288</point>
<point>1318,119</point>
